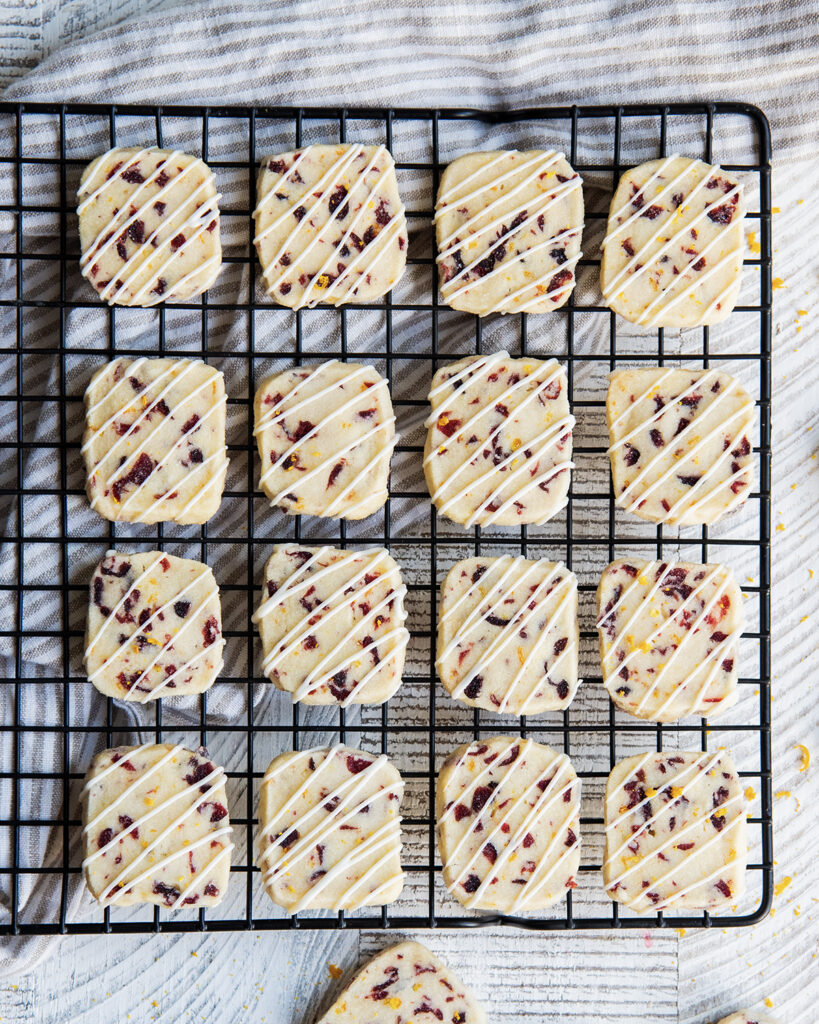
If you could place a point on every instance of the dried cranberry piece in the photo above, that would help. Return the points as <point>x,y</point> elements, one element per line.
<point>631,455</point>
<point>334,473</point>
<point>473,688</point>
<point>105,837</point>
<point>718,822</point>
<point>559,256</point>
<point>651,212</point>
<point>528,840</point>
<point>571,838</point>
<point>160,286</point>
<point>210,631</point>
<point>720,796</point>
<point>299,212</point>
<point>169,893</point>
<point>177,242</point>
<point>289,838</point>
<point>310,643</point>
<point>182,608</point>
<point>656,438</point>
<point>357,764</point>
<point>490,853</point>
<point>480,796</point>
<point>560,645</point>
<point>200,771</point>
<point>560,279</point>
<point>723,887</point>
<point>723,214</point>
<point>461,811</point>
<point>133,176</point>
<point>162,179</point>
<point>122,251</point>
<point>448,426</point>
<point>211,889</point>
<point>689,481</point>
<point>136,232</point>
<point>563,689</point>
<point>627,247</point>
<point>115,570</point>
<point>511,756</point>
<point>160,208</point>
<point>190,424</point>
<point>472,883</point>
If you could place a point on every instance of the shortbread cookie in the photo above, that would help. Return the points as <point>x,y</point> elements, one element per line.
<point>330,225</point>
<point>680,444</point>
<point>508,226</point>
<point>332,624</point>
<point>154,441</point>
<point>499,444</point>
<point>154,627</point>
<point>747,1017</point>
<point>330,830</point>
<point>149,226</point>
<point>508,813</point>
<point>669,638</point>
<point>675,832</point>
<point>402,984</point>
<point>507,635</point>
<point>673,251</point>
<point>325,438</point>
<point>156,827</point>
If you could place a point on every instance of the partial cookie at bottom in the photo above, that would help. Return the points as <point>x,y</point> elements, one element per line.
<point>405,984</point>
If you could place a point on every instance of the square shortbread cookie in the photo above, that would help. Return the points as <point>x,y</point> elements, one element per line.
<point>332,624</point>
<point>154,441</point>
<point>499,441</point>
<point>675,832</point>
<point>680,444</point>
<point>154,627</point>
<point>674,246</point>
<point>330,225</point>
<point>669,638</point>
<point>149,226</point>
<point>507,635</point>
<point>508,822</point>
<point>330,830</point>
<point>325,436</point>
<point>508,226</point>
<point>156,827</point>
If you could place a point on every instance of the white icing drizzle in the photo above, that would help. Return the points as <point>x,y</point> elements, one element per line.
<point>516,622</point>
<point>136,264</point>
<point>641,262</point>
<point>692,497</point>
<point>613,229</point>
<point>373,253</point>
<point>452,198</point>
<point>321,615</point>
<point>675,282</point>
<point>508,843</point>
<point>610,680</point>
<point>123,880</point>
<point>470,236</point>
<point>178,371</point>
<point>545,439</point>
<point>701,772</point>
<point>350,796</point>
<point>214,648</point>
<point>502,268</point>
<point>274,416</point>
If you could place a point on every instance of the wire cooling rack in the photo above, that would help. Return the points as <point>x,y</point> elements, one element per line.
<point>55,333</point>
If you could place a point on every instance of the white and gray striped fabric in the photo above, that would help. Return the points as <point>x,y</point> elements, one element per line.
<point>497,54</point>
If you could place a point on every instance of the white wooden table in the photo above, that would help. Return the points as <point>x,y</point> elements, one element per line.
<point>601,977</point>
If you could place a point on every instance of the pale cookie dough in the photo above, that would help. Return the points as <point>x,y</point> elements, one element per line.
<point>330,225</point>
<point>508,823</point>
<point>507,635</point>
<point>674,245</point>
<point>680,444</point>
<point>747,1017</point>
<point>675,832</point>
<point>154,441</point>
<point>499,441</point>
<point>156,827</point>
<point>508,226</point>
<point>669,638</point>
<point>154,627</point>
<point>149,226</point>
<point>325,436</point>
<point>403,984</point>
<point>332,624</point>
<point>330,830</point>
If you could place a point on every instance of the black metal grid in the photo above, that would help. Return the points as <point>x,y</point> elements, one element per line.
<point>66,869</point>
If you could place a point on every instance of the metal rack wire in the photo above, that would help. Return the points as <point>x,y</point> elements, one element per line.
<point>433,541</point>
